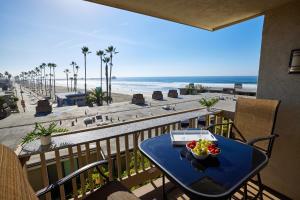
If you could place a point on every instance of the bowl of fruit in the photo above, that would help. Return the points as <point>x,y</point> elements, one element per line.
<point>202,149</point>
<point>191,145</point>
<point>200,153</point>
<point>214,151</point>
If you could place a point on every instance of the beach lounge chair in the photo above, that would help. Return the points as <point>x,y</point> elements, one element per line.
<point>157,95</point>
<point>138,99</point>
<point>173,94</point>
<point>14,183</point>
<point>87,121</point>
<point>99,117</point>
<point>43,107</point>
<point>254,123</point>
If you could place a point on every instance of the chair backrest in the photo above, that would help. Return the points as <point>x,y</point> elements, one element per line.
<point>256,118</point>
<point>13,182</point>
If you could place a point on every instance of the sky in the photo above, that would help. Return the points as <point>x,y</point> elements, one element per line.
<point>37,31</point>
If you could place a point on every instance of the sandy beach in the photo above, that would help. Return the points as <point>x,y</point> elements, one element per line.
<point>16,126</point>
<point>117,97</point>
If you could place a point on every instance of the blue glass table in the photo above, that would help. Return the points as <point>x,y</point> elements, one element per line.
<point>212,178</point>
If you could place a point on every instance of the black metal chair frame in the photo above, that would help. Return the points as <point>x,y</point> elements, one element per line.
<point>73,175</point>
<point>252,142</point>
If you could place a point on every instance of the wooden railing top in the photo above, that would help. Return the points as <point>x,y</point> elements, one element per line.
<point>101,133</point>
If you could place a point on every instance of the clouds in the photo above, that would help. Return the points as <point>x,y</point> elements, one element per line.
<point>63,43</point>
<point>81,38</point>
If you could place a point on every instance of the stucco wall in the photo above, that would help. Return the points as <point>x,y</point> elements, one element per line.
<point>281,34</point>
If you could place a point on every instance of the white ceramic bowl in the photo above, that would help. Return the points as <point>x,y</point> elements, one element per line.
<point>202,157</point>
<point>188,148</point>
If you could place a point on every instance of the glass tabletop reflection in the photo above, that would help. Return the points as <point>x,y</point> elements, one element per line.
<point>213,177</point>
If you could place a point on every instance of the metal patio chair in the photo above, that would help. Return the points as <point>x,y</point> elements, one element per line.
<point>254,123</point>
<point>15,185</point>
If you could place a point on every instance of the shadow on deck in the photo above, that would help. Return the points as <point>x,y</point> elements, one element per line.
<point>153,190</point>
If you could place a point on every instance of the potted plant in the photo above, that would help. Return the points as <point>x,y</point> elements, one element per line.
<point>96,178</point>
<point>42,132</point>
<point>208,103</point>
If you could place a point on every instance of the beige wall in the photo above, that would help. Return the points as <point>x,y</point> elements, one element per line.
<point>281,34</point>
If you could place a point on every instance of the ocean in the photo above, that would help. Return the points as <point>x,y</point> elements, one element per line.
<point>146,85</point>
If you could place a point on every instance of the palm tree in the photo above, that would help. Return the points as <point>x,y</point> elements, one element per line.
<point>38,76</point>
<point>75,78</point>
<point>50,84</point>
<point>33,76</point>
<point>71,79</point>
<point>73,65</point>
<point>85,51</point>
<point>22,75</point>
<point>111,50</point>
<point>96,95</point>
<point>46,82</point>
<point>106,61</point>
<point>29,81</point>
<point>6,74</point>
<point>29,78</point>
<point>25,78</point>
<point>67,71</point>
<point>54,66</point>
<point>43,66</point>
<point>100,54</point>
<point>37,71</point>
<point>27,74</point>
<point>41,70</point>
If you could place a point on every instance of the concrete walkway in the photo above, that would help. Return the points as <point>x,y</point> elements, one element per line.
<point>16,126</point>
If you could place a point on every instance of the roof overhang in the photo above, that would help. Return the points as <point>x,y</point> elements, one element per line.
<point>206,14</point>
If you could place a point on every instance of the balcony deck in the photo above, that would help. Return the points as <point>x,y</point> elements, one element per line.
<point>62,142</point>
<point>153,190</point>
<point>117,143</point>
<point>78,137</point>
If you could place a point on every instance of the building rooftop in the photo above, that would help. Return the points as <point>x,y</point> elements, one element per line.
<point>69,94</point>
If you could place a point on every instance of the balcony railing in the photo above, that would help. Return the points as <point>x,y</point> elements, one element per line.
<point>117,143</point>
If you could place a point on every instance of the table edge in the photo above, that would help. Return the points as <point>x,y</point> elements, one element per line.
<point>225,194</point>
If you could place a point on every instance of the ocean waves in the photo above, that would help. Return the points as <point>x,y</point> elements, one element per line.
<point>147,85</point>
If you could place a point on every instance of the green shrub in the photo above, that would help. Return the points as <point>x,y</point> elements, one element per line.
<point>208,102</point>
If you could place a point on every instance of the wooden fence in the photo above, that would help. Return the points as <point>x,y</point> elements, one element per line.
<point>125,162</point>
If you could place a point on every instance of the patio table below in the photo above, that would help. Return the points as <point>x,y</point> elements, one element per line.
<point>212,178</point>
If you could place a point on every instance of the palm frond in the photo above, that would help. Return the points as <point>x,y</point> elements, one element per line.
<point>208,102</point>
<point>85,50</point>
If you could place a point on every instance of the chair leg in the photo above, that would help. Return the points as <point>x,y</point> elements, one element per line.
<point>260,186</point>
<point>163,187</point>
<point>245,192</point>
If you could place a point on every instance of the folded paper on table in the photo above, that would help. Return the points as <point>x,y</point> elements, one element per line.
<point>181,137</point>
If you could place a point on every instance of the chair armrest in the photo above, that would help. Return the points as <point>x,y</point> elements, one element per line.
<point>73,175</point>
<point>253,141</point>
<point>213,125</point>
